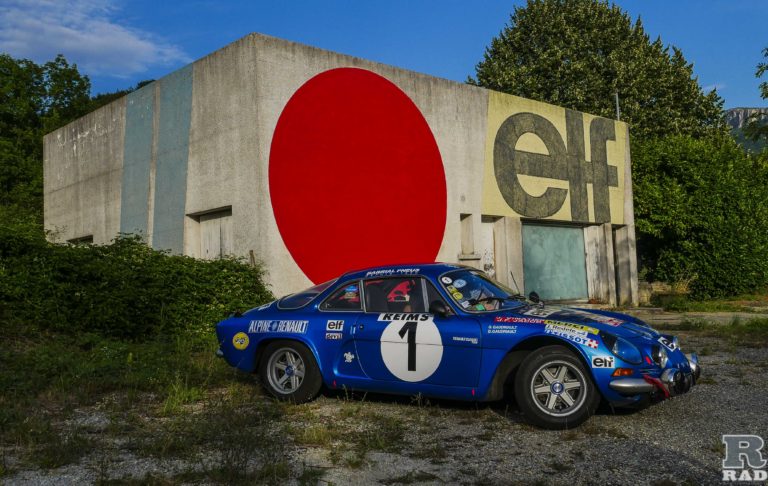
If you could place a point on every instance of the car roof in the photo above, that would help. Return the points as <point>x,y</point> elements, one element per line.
<point>432,270</point>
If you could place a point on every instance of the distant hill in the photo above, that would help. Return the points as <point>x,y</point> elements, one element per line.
<point>737,119</point>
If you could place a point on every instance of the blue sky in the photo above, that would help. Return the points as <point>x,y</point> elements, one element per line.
<point>120,42</point>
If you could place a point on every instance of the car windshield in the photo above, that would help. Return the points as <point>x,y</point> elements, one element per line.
<point>300,299</point>
<point>473,291</point>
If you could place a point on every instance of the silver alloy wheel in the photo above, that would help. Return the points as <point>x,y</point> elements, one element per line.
<point>558,388</point>
<point>285,371</point>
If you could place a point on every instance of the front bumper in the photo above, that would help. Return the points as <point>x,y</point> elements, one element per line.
<point>672,382</point>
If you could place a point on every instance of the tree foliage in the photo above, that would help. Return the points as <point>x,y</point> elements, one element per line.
<point>579,53</point>
<point>702,211</point>
<point>701,202</point>
<point>34,100</point>
<point>757,127</point>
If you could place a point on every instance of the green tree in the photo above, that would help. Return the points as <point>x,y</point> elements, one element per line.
<point>757,128</point>
<point>34,100</point>
<point>701,208</point>
<point>579,53</point>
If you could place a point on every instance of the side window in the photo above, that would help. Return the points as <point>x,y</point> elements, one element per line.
<point>394,295</point>
<point>347,297</point>
<point>434,296</point>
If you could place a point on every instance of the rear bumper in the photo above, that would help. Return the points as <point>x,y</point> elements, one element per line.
<point>672,381</point>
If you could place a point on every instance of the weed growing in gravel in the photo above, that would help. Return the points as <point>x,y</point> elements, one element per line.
<point>180,393</point>
<point>411,477</point>
<point>434,451</point>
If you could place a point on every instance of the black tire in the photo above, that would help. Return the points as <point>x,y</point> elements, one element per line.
<point>550,378</point>
<point>286,384</point>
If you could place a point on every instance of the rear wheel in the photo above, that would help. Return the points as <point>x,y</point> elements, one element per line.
<point>554,390</point>
<point>288,371</point>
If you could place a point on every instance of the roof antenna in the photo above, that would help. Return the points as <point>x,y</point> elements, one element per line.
<point>517,289</point>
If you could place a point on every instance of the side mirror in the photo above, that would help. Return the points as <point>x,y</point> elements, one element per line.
<point>438,308</point>
<point>534,297</point>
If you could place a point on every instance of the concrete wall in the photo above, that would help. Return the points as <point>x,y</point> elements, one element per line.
<point>201,140</point>
<point>83,170</point>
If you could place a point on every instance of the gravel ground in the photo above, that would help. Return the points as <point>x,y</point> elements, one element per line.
<point>674,442</point>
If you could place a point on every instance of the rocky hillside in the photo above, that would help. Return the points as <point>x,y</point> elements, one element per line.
<point>737,119</point>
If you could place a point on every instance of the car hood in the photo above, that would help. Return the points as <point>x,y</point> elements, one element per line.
<point>613,322</point>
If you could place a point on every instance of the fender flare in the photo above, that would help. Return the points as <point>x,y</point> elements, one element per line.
<point>507,369</point>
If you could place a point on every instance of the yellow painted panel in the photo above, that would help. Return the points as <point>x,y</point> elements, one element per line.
<point>538,163</point>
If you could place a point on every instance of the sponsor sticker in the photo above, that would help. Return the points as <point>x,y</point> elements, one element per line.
<point>564,331</point>
<point>458,295</point>
<point>240,341</point>
<point>541,311</point>
<point>295,327</point>
<point>502,329</point>
<point>348,357</point>
<point>578,337</point>
<point>611,321</point>
<point>602,362</point>
<point>333,335</point>
<point>334,326</point>
<point>522,320</point>
<point>575,327</point>
<point>463,339</point>
<point>446,280</point>
<point>390,316</point>
<point>392,271</point>
<point>459,283</point>
<point>668,343</point>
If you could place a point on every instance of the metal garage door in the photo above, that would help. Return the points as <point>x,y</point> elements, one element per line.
<point>554,264</point>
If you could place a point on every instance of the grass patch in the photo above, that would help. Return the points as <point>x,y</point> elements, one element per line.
<point>411,477</point>
<point>750,332</point>
<point>741,303</point>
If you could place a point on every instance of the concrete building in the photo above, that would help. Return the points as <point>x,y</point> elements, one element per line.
<point>316,163</point>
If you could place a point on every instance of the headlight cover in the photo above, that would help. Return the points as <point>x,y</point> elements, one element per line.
<point>622,348</point>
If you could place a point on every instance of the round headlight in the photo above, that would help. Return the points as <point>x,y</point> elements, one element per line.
<point>626,351</point>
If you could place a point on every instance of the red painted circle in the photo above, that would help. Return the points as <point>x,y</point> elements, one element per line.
<point>355,176</point>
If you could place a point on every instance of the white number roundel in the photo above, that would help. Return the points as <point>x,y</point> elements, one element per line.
<point>412,348</point>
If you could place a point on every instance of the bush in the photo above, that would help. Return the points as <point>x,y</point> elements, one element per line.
<point>123,290</point>
<point>701,211</point>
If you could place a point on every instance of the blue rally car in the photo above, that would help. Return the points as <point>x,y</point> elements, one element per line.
<point>449,331</point>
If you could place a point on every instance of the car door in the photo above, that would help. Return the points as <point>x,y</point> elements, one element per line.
<point>338,314</point>
<point>397,340</point>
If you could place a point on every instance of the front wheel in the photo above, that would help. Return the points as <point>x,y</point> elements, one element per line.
<point>288,371</point>
<point>554,390</point>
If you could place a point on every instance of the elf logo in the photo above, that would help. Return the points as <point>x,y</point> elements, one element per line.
<point>334,326</point>
<point>602,361</point>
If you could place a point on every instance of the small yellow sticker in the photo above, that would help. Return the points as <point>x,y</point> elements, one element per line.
<point>458,295</point>
<point>240,341</point>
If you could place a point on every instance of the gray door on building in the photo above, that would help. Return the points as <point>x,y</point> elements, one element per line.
<point>216,235</point>
<point>554,263</point>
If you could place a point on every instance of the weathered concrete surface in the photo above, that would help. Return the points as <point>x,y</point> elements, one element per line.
<point>237,96</point>
<point>82,175</point>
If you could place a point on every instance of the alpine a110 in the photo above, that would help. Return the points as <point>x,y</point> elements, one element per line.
<point>449,331</point>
